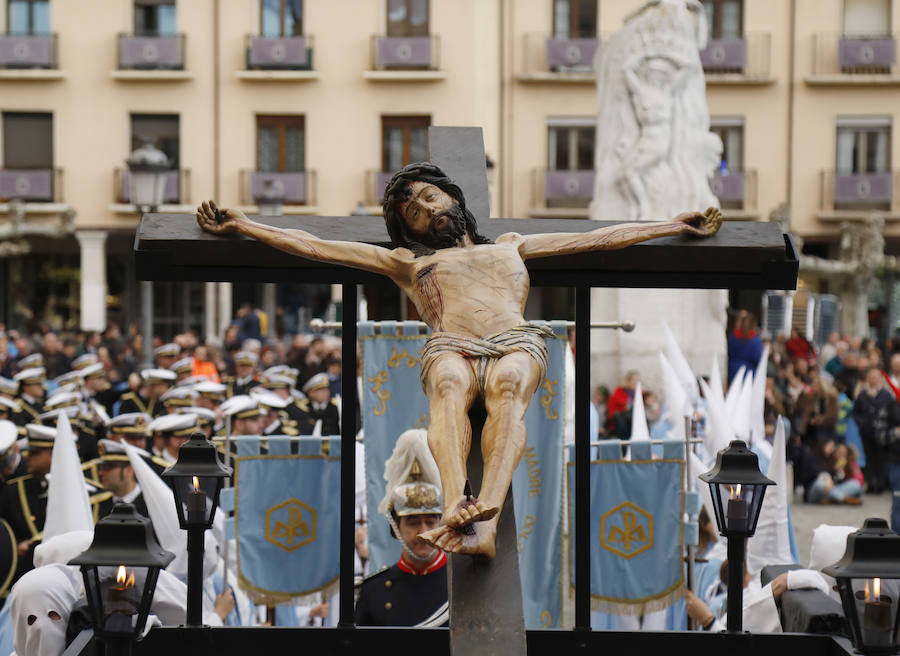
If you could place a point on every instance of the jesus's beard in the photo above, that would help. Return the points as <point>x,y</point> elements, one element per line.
<point>452,232</point>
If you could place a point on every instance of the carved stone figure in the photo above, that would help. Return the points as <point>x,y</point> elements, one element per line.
<point>472,294</point>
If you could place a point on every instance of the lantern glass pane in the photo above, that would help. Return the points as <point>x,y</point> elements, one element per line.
<point>876,602</point>
<point>738,502</point>
<point>197,497</point>
<point>121,590</point>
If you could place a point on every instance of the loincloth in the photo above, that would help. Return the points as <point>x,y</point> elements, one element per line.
<point>482,352</point>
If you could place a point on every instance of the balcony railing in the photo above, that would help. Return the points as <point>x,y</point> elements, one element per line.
<point>298,188</point>
<point>151,52</point>
<point>279,53</point>
<point>839,54</point>
<point>736,190</point>
<point>551,188</point>
<point>405,52</point>
<point>376,181</point>
<point>748,56</point>
<point>32,185</point>
<point>859,191</point>
<point>544,56</point>
<point>175,192</point>
<point>28,51</point>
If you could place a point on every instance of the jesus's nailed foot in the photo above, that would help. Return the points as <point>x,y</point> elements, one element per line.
<point>469,510</point>
<point>473,540</point>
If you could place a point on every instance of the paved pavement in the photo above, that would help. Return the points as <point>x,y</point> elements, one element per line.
<point>807,517</point>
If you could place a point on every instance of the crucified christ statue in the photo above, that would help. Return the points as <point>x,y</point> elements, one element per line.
<point>471,292</point>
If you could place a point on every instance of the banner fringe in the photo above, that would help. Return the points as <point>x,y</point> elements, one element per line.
<point>271,598</point>
<point>636,608</point>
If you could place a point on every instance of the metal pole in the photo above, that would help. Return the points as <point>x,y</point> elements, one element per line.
<point>582,533</point>
<point>147,321</point>
<point>688,434</point>
<point>348,451</point>
<point>735,604</point>
<point>195,540</point>
<point>225,549</point>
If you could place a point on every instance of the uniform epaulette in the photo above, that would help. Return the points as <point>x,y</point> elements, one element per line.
<point>384,569</point>
<point>100,497</point>
<point>23,477</point>
<point>332,401</point>
<point>303,404</point>
<point>128,396</point>
<point>162,462</point>
<point>227,379</point>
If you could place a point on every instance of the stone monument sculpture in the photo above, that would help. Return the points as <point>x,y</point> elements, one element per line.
<point>654,154</point>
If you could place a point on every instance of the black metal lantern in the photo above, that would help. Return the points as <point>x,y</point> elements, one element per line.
<point>120,570</point>
<point>737,488</point>
<point>197,475</point>
<point>868,579</point>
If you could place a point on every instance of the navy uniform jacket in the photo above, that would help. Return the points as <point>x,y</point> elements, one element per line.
<point>26,414</point>
<point>331,424</point>
<point>233,388</point>
<point>23,504</point>
<point>135,402</point>
<point>396,597</point>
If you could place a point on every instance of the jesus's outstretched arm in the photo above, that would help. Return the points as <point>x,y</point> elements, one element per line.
<point>697,224</point>
<point>368,257</point>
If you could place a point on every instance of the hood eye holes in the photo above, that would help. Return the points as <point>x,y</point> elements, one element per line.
<point>31,619</point>
<point>53,615</point>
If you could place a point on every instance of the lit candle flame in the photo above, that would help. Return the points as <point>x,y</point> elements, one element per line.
<point>867,590</point>
<point>130,582</point>
<point>738,491</point>
<point>196,484</point>
<point>120,575</point>
<point>876,589</point>
<point>734,492</point>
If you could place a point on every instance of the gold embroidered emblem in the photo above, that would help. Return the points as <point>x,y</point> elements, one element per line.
<point>397,358</point>
<point>421,496</point>
<point>547,399</point>
<point>626,530</point>
<point>382,394</point>
<point>290,525</point>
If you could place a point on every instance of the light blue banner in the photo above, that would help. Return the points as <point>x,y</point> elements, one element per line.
<point>287,524</point>
<point>636,534</point>
<point>394,402</point>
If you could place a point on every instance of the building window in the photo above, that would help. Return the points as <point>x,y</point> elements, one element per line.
<point>731,132</point>
<point>867,18</point>
<point>154,18</point>
<point>161,130</point>
<point>28,17</point>
<point>863,145</point>
<point>280,144</point>
<point>27,141</point>
<point>282,18</point>
<point>574,19</point>
<point>407,18</point>
<point>724,18</point>
<point>570,147</point>
<point>404,141</point>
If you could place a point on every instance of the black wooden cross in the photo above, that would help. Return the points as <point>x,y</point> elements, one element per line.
<point>740,256</point>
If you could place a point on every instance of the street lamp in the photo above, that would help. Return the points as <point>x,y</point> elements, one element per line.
<point>270,198</point>
<point>868,579</point>
<point>736,479</point>
<point>120,570</point>
<point>147,166</point>
<point>196,473</point>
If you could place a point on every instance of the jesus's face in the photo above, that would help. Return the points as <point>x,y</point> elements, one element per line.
<point>433,216</point>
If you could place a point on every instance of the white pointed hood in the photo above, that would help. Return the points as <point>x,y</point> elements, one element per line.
<point>682,369</point>
<point>758,400</point>
<point>160,502</point>
<point>715,382</point>
<point>734,392</point>
<point>639,430</point>
<point>740,418</point>
<point>719,433</point>
<point>771,544</point>
<point>68,504</point>
<point>676,399</point>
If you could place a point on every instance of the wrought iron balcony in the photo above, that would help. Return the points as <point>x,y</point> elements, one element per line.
<point>151,52</point>
<point>298,188</point>
<point>746,59</point>
<point>279,53</point>
<point>28,51</point>
<point>32,185</point>
<point>859,191</point>
<point>853,56</point>
<point>405,52</point>
<point>175,192</point>
<point>557,60</point>
<point>736,190</point>
<point>561,189</point>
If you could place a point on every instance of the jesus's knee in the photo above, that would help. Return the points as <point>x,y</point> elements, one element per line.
<point>507,383</point>
<point>447,382</point>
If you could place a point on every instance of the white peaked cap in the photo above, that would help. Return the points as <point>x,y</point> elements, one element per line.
<point>771,544</point>
<point>161,507</point>
<point>715,382</point>
<point>68,504</point>
<point>740,419</point>
<point>719,433</point>
<point>676,399</point>
<point>639,430</point>
<point>682,368</point>
<point>9,433</point>
<point>734,391</point>
<point>411,446</point>
<point>758,400</point>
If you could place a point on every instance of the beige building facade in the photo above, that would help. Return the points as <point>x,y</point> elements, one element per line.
<point>319,99</point>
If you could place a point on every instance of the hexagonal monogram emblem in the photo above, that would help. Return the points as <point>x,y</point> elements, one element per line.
<point>290,525</point>
<point>626,530</point>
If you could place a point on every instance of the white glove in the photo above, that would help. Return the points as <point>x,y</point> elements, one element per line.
<point>799,579</point>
